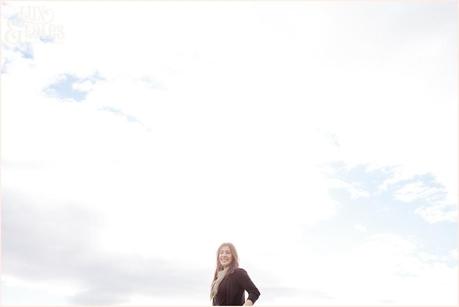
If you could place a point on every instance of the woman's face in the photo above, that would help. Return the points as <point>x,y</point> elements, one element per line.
<point>224,256</point>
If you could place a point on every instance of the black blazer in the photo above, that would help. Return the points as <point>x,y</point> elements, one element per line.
<point>232,287</point>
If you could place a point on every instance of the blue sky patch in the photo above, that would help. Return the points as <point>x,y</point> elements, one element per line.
<point>64,88</point>
<point>118,112</point>
<point>382,212</point>
<point>25,50</point>
<point>46,39</point>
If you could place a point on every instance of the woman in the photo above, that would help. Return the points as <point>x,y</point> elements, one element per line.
<point>230,281</point>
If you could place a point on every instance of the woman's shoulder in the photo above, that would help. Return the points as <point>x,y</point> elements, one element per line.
<point>240,271</point>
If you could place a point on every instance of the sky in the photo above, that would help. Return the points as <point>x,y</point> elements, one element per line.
<point>320,137</point>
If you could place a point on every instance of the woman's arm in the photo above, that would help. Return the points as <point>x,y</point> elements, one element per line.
<point>247,284</point>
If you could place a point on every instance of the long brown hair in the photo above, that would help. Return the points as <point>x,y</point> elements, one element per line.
<point>234,259</point>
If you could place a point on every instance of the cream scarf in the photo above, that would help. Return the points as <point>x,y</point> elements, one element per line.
<point>220,275</point>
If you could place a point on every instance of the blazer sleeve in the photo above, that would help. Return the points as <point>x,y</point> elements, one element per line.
<point>248,285</point>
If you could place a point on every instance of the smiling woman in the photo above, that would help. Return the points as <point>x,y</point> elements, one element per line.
<point>230,281</point>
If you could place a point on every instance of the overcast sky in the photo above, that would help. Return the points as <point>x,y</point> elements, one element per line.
<point>320,137</point>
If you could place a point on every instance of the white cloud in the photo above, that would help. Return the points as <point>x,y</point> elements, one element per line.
<point>232,140</point>
<point>437,208</point>
<point>385,268</point>
<point>396,273</point>
<point>440,204</point>
<point>16,291</point>
<point>441,212</point>
<point>360,228</point>
<point>83,86</point>
<point>353,188</point>
<point>454,254</point>
<point>418,191</point>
